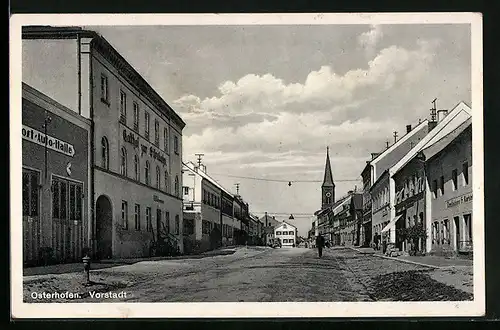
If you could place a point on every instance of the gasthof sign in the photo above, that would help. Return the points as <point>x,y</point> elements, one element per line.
<point>32,135</point>
<point>453,202</point>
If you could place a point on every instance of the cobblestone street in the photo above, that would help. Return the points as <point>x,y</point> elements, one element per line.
<point>263,275</point>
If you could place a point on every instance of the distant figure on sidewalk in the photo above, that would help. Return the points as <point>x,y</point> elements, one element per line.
<point>320,243</point>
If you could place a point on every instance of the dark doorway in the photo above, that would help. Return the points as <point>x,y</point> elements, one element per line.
<point>104,228</point>
<point>158,224</point>
<point>456,220</point>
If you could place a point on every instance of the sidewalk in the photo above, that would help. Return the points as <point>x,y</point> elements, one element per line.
<point>78,267</point>
<point>427,260</point>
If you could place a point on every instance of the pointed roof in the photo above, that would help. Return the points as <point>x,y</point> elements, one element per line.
<point>328,179</point>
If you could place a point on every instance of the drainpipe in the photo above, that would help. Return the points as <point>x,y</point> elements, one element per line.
<point>91,224</point>
<point>79,65</point>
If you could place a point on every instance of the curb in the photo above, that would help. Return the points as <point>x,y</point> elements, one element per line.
<point>396,259</point>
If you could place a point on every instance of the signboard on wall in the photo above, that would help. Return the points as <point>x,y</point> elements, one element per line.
<point>35,136</point>
<point>454,202</point>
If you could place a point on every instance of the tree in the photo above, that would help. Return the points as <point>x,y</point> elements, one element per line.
<point>413,235</point>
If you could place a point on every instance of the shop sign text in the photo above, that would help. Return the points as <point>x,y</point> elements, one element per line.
<point>153,153</point>
<point>32,135</point>
<point>454,202</point>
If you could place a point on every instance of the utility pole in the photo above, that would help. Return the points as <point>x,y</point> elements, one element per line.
<point>47,120</point>
<point>433,110</point>
<point>237,188</point>
<point>199,159</point>
<point>395,136</point>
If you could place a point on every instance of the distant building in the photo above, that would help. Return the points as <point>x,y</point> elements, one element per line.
<point>347,217</point>
<point>287,234</point>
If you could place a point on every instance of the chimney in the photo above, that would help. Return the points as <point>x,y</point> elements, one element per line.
<point>408,129</point>
<point>374,155</point>
<point>441,114</point>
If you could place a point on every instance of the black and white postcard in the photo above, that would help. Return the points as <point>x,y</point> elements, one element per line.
<point>246,165</point>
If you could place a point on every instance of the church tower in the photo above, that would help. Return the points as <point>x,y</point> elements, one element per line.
<point>328,187</point>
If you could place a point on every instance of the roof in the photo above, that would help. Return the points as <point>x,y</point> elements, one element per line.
<point>399,142</point>
<point>269,230</point>
<point>457,116</point>
<point>285,223</point>
<point>358,201</point>
<point>328,179</point>
<point>438,146</point>
<point>346,200</point>
<point>101,44</point>
<point>190,166</point>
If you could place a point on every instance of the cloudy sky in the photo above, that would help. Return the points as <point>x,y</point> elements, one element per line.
<point>265,101</point>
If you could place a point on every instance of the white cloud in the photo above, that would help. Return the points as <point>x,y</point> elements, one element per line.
<point>369,39</point>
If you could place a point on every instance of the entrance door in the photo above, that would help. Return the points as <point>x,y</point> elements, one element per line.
<point>456,220</point>
<point>104,228</point>
<point>158,223</point>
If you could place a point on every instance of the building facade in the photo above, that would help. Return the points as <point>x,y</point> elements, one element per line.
<point>55,180</point>
<point>287,234</point>
<point>366,226</point>
<point>450,178</point>
<point>136,138</point>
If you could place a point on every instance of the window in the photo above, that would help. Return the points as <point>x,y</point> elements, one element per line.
<point>158,177</point>
<point>165,139</point>
<point>124,215</point>
<point>136,116</point>
<point>105,153</point>
<point>104,89</point>
<point>441,186</point>
<point>177,225</point>
<point>157,132</point>
<point>146,172</point>
<point>454,177</point>
<point>188,227</point>
<point>136,168</point>
<point>468,227</point>
<point>123,162</point>
<point>146,125</point>
<point>30,193</point>
<point>434,188</point>
<point>137,217</point>
<point>66,199</point>
<point>186,190</point>
<point>465,171</point>
<point>123,107</point>
<point>421,217</point>
<point>446,232</point>
<point>278,233</point>
<point>205,227</point>
<point>290,233</point>
<point>167,221</point>
<point>176,186</point>
<point>176,144</point>
<point>166,182</point>
<point>149,225</point>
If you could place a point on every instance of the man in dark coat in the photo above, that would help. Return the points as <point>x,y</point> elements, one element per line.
<point>320,243</point>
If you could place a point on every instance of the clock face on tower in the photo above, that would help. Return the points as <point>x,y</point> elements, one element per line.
<point>328,194</point>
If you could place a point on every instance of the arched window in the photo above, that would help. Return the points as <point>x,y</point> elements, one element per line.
<point>137,168</point>
<point>158,177</point>
<point>176,187</point>
<point>104,153</point>
<point>167,185</point>
<point>146,172</point>
<point>123,162</point>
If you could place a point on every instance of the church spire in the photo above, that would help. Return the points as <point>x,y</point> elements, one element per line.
<point>328,179</point>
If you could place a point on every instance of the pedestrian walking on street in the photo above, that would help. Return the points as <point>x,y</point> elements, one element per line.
<point>320,243</point>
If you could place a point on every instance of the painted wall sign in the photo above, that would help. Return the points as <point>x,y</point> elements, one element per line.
<point>32,135</point>
<point>454,202</point>
<point>157,199</point>
<point>131,138</point>
<point>68,169</point>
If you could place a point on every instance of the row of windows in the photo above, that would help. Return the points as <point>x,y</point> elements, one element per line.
<point>290,241</point>
<point>148,219</point>
<point>441,232</point>
<point>137,171</point>
<point>285,232</point>
<point>123,118</point>
<point>211,199</point>
<point>438,187</point>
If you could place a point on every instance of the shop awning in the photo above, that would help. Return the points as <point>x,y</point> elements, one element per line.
<point>391,223</point>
